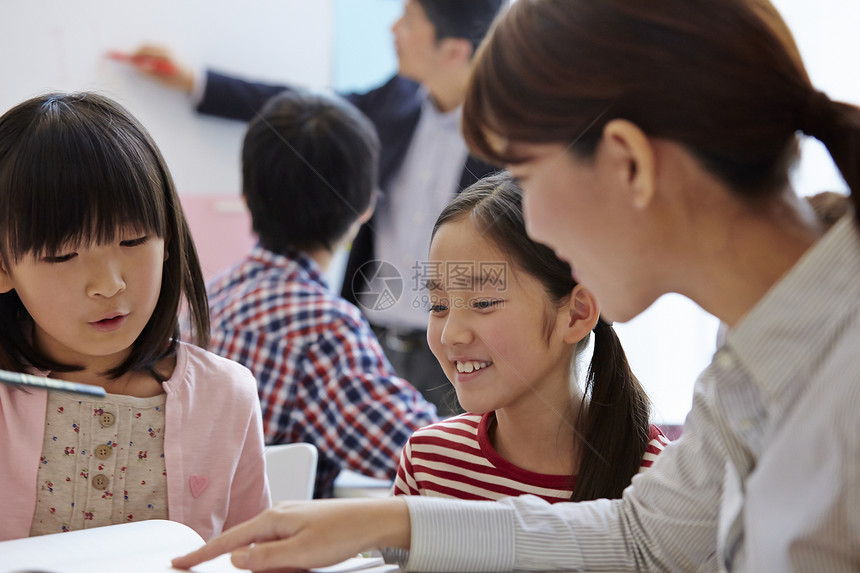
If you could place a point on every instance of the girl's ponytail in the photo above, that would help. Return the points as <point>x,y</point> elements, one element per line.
<point>613,422</point>
<point>837,126</point>
<point>612,428</point>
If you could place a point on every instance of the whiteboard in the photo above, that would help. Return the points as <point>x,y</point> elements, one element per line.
<point>53,45</point>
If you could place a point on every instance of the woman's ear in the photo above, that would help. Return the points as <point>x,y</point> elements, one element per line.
<point>581,316</point>
<point>632,157</point>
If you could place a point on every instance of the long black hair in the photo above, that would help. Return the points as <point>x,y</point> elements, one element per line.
<point>75,168</point>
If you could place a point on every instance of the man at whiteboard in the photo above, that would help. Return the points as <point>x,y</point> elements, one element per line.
<point>423,162</point>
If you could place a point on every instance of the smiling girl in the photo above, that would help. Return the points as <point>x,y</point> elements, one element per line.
<point>507,323</point>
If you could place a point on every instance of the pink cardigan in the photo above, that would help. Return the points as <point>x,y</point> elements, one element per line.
<point>213,447</point>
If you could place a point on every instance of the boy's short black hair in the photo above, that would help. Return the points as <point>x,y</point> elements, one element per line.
<point>309,170</point>
<point>469,19</point>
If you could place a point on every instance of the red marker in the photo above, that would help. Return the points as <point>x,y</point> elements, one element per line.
<point>155,64</point>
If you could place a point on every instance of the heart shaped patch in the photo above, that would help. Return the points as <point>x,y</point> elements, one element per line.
<point>198,484</point>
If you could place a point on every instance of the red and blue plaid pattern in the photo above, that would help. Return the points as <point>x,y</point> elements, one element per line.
<point>321,375</point>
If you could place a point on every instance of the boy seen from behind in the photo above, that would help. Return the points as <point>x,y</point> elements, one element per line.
<point>309,171</point>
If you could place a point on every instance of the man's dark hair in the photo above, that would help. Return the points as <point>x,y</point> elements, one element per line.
<point>469,19</point>
<point>309,170</point>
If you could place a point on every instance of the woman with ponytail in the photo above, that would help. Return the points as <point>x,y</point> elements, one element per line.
<point>507,323</point>
<point>653,142</point>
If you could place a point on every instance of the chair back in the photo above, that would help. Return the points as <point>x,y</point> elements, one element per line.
<point>291,470</point>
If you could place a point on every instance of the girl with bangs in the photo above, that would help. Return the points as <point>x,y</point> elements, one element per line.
<point>96,260</point>
<point>508,324</point>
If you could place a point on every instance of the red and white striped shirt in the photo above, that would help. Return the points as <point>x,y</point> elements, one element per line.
<point>455,459</point>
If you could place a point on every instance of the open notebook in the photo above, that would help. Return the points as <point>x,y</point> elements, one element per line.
<point>139,547</point>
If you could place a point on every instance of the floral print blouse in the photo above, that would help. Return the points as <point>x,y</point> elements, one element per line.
<point>102,463</point>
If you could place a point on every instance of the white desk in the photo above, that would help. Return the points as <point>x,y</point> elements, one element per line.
<point>352,484</point>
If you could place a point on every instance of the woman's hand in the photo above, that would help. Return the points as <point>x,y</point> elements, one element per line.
<point>303,535</point>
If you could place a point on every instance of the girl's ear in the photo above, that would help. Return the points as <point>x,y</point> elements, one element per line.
<point>582,314</point>
<point>167,239</point>
<point>5,280</point>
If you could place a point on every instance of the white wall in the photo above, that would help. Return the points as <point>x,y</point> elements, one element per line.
<point>364,54</point>
<point>826,34</point>
<point>54,45</point>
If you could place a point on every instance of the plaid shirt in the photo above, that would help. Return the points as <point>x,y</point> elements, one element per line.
<point>321,375</point>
